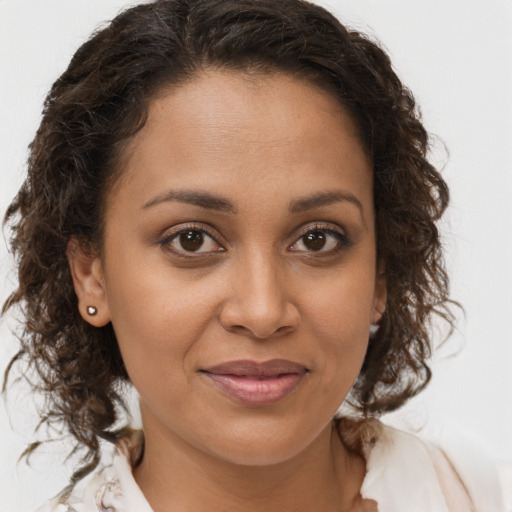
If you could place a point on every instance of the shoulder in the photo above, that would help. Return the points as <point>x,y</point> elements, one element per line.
<point>408,473</point>
<point>110,488</point>
<point>92,494</point>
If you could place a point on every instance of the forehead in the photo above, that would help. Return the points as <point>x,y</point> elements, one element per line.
<point>245,104</point>
<point>222,127</point>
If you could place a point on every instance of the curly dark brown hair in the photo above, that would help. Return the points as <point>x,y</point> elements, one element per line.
<point>102,100</point>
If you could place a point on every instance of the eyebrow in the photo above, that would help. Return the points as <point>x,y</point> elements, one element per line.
<point>320,199</point>
<point>218,203</point>
<point>194,197</point>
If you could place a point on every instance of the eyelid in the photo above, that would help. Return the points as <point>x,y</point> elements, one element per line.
<point>327,227</point>
<point>169,235</point>
<point>320,226</point>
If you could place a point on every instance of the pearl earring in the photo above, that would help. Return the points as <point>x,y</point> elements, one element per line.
<point>91,310</point>
<point>374,329</point>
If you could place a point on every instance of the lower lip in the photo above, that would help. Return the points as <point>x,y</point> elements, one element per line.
<point>254,391</point>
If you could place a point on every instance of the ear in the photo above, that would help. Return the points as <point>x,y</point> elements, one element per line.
<point>380,296</point>
<point>88,281</point>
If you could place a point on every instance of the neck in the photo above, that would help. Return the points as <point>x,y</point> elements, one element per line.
<point>325,476</point>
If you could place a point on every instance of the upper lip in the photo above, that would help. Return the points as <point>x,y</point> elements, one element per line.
<point>248,368</point>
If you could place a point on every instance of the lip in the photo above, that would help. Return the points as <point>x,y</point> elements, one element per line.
<point>257,383</point>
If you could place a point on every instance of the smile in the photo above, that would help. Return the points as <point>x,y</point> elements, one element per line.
<point>253,383</point>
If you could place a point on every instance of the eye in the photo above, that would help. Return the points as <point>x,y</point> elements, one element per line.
<point>321,240</point>
<point>191,240</point>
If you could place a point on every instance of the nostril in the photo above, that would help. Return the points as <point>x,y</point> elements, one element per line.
<point>238,329</point>
<point>243,330</point>
<point>259,322</point>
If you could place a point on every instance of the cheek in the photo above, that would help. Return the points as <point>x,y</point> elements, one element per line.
<point>158,319</point>
<point>343,303</point>
<point>339,317</point>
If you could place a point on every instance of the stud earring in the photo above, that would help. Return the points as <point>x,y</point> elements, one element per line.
<point>91,310</point>
<point>374,329</point>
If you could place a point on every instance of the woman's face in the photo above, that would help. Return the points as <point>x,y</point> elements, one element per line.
<point>239,267</point>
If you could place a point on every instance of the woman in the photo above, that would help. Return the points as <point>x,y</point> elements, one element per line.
<point>224,200</point>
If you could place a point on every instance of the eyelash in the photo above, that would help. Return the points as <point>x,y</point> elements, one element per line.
<point>342,239</point>
<point>165,243</point>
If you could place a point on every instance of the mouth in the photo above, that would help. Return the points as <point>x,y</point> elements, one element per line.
<point>256,383</point>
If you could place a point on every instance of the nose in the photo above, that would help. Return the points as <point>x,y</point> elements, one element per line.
<point>260,304</point>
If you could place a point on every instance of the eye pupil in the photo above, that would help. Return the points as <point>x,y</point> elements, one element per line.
<point>191,240</point>
<point>315,240</point>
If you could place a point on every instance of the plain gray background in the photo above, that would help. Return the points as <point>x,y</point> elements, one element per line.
<point>456,57</point>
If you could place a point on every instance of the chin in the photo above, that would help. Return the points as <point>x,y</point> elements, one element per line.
<point>265,445</point>
<point>259,456</point>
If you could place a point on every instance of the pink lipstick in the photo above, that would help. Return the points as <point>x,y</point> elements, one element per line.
<point>257,383</point>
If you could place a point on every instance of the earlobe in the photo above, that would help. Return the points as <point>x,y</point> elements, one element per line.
<point>87,274</point>
<point>380,298</point>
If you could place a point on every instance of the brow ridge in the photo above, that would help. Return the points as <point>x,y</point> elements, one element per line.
<point>194,197</point>
<point>320,199</point>
<point>210,201</point>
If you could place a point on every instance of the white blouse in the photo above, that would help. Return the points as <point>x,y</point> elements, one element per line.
<point>404,474</point>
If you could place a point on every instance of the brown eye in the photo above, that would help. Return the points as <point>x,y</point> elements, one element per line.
<point>191,240</point>
<point>321,240</point>
<point>315,240</point>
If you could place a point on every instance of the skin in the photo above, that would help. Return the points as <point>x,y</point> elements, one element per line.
<point>255,289</point>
